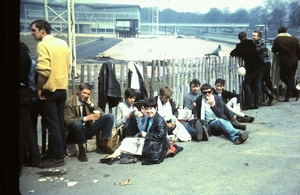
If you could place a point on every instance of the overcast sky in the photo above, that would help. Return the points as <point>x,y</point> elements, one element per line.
<point>202,6</point>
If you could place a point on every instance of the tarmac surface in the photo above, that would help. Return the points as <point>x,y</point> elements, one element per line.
<point>267,163</point>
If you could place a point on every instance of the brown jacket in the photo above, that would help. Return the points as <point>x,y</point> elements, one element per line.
<point>288,48</point>
<point>72,111</point>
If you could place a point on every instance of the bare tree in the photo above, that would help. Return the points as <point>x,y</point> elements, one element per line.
<point>294,17</point>
<point>277,10</point>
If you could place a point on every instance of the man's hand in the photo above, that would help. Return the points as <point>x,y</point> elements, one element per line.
<point>171,125</point>
<point>40,94</point>
<point>88,101</point>
<point>144,134</point>
<point>92,117</point>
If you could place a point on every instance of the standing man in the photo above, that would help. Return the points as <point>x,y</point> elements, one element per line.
<point>83,122</point>
<point>262,49</point>
<point>254,70</point>
<point>289,54</point>
<point>53,56</point>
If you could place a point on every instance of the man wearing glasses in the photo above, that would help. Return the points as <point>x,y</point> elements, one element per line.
<point>214,113</point>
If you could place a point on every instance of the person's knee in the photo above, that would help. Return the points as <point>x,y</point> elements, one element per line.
<point>76,125</point>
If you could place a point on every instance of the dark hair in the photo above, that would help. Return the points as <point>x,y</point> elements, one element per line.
<point>150,102</point>
<point>206,86</point>
<point>130,93</point>
<point>42,24</point>
<point>258,32</point>
<point>23,45</point>
<point>221,81</point>
<point>165,91</point>
<point>83,86</point>
<point>242,35</point>
<point>195,82</point>
<point>282,29</point>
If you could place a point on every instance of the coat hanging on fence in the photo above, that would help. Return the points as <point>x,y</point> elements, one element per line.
<point>108,87</point>
<point>136,81</point>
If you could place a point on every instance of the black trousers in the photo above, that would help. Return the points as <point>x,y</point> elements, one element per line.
<point>287,75</point>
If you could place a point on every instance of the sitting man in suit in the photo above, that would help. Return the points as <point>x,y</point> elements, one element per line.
<point>214,114</point>
<point>83,122</point>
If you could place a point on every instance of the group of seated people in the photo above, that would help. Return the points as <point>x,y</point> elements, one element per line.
<point>156,121</point>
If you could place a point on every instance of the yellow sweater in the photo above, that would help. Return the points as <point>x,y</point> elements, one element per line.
<point>53,62</point>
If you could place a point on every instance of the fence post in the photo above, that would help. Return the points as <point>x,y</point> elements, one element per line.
<point>96,93</point>
<point>82,73</point>
<point>153,75</point>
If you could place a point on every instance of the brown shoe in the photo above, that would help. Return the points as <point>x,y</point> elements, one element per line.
<point>82,155</point>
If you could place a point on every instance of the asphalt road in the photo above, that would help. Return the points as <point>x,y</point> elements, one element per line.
<point>95,48</point>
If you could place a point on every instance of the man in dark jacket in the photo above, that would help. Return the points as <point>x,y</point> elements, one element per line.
<point>254,70</point>
<point>214,113</point>
<point>267,86</point>
<point>289,53</point>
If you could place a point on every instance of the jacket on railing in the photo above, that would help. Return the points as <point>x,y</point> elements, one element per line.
<point>108,87</point>
<point>136,81</point>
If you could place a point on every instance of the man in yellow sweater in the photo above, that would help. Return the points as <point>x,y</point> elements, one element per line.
<point>53,56</point>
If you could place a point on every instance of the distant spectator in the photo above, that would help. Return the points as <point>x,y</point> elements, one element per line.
<point>267,86</point>
<point>254,70</point>
<point>288,49</point>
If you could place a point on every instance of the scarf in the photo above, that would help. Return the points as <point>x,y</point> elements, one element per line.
<point>164,110</point>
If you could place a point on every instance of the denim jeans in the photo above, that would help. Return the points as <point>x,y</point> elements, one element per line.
<point>53,109</point>
<point>83,132</point>
<point>226,127</point>
<point>191,130</point>
<point>255,77</point>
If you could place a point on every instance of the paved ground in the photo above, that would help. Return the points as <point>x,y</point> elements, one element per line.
<point>267,163</point>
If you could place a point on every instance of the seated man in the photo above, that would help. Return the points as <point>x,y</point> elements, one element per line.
<point>82,124</point>
<point>234,103</point>
<point>214,113</point>
<point>166,107</point>
<point>189,99</point>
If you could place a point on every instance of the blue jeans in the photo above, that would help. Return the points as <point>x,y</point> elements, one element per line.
<point>226,127</point>
<point>83,132</point>
<point>191,130</point>
<point>255,77</point>
<point>53,109</point>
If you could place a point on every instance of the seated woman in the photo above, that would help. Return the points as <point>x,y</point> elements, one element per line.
<point>125,108</point>
<point>231,100</point>
<point>156,145</point>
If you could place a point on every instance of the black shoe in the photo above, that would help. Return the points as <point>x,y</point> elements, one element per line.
<point>205,134</point>
<point>247,108</point>
<point>199,130</point>
<point>52,162</point>
<point>30,165</point>
<point>271,98</point>
<point>108,161</point>
<point>245,119</point>
<point>242,137</point>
